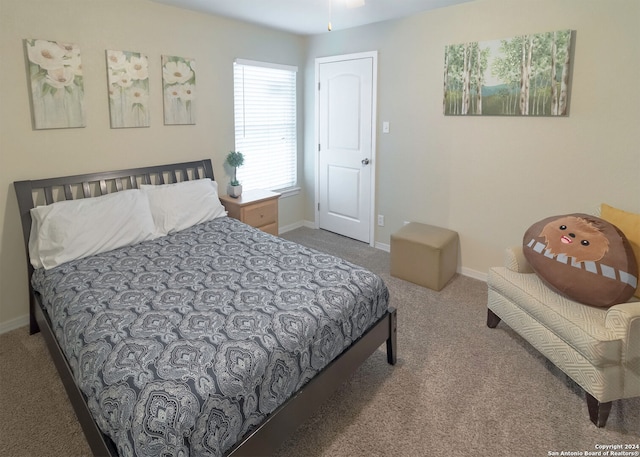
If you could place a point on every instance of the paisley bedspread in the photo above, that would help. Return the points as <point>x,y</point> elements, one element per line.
<point>185,343</point>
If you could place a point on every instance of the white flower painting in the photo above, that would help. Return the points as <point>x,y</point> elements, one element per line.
<point>56,81</point>
<point>128,79</point>
<point>178,84</point>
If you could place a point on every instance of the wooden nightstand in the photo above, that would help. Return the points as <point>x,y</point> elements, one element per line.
<point>258,208</point>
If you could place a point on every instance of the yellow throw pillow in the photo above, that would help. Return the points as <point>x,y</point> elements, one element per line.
<point>629,224</point>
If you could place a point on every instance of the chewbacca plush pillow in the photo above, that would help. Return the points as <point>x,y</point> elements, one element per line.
<point>583,257</point>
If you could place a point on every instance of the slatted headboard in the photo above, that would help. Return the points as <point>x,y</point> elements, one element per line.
<point>31,193</point>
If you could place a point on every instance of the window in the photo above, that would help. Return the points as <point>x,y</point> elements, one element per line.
<point>265,124</point>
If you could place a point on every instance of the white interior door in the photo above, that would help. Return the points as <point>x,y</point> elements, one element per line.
<point>346,102</point>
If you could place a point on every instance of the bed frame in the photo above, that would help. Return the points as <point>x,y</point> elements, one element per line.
<point>284,420</point>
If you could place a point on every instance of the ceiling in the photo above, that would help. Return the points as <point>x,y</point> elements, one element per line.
<point>310,17</point>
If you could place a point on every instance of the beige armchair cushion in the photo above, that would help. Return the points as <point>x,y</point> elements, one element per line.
<point>597,347</point>
<point>582,327</point>
<point>515,260</point>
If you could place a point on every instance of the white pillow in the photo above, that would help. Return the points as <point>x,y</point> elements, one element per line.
<point>178,206</point>
<point>73,229</point>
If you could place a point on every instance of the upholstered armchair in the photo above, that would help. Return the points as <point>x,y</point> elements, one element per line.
<point>599,348</point>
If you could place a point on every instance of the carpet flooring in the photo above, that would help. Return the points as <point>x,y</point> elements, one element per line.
<point>459,388</point>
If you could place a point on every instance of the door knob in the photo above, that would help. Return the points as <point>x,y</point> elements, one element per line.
<point>365,161</point>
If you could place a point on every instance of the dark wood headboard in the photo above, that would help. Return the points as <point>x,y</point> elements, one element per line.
<point>31,193</point>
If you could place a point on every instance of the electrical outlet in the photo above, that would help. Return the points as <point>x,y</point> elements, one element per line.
<point>380,220</point>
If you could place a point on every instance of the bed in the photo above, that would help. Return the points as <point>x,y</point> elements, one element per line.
<point>212,338</point>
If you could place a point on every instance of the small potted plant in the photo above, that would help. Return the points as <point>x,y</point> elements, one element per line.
<point>235,159</point>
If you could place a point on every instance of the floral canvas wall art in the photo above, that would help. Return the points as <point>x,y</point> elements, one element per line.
<point>128,79</point>
<point>57,85</point>
<point>178,84</point>
<point>528,75</point>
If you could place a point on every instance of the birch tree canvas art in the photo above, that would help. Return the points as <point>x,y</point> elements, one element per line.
<point>56,83</point>
<point>128,80</point>
<point>178,84</point>
<point>528,75</point>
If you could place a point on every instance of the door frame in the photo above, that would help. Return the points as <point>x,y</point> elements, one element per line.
<point>374,128</point>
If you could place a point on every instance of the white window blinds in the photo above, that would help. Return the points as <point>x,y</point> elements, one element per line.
<point>265,124</point>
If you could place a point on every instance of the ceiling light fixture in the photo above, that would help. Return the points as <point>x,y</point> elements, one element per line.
<point>349,4</point>
<point>354,3</point>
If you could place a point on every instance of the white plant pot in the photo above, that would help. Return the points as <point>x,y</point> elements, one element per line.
<point>235,191</point>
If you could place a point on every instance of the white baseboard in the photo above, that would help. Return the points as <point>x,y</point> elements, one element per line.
<point>288,228</point>
<point>464,271</point>
<point>14,324</point>
<point>382,246</point>
<point>473,274</point>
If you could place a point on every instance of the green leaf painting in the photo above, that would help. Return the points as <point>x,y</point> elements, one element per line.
<point>56,82</point>
<point>179,85</point>
<point>527,75</point>
<point>128,79</point>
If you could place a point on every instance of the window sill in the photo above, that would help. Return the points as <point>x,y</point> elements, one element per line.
<point>288,192</point>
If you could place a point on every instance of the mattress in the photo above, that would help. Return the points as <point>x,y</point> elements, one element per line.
<point>184,344</point>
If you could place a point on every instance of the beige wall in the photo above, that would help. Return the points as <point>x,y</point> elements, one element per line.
<point>130,25</point>
<point>490,178</point>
